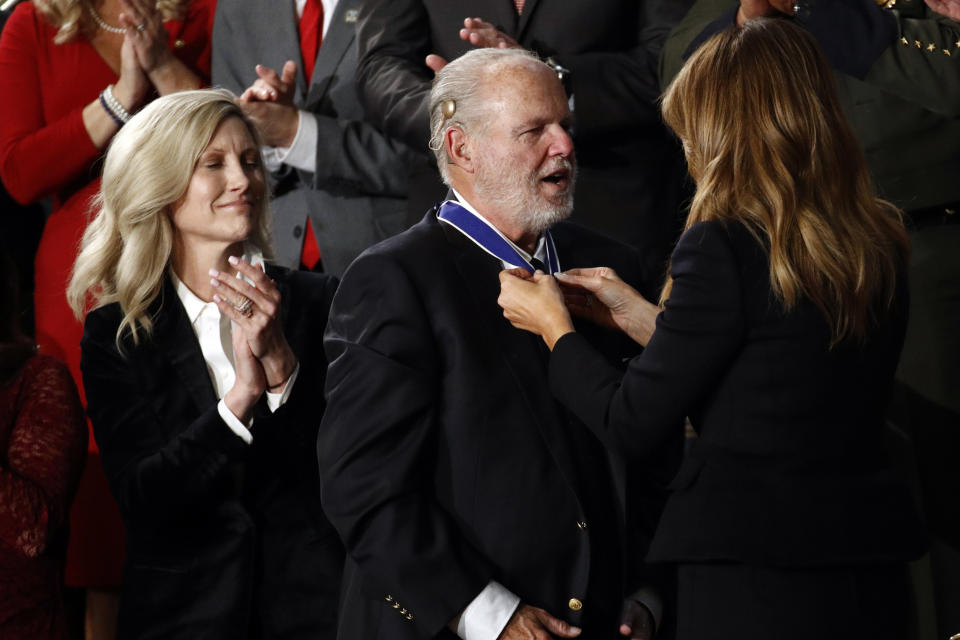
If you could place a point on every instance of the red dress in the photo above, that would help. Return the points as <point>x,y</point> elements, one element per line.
<point>43,442</point>
<point>45,151</point>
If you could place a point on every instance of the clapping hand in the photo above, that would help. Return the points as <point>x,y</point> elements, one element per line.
<point>145,31</point>
<point>133,83</point>
<point>255,309</point>
<point>271,86</point>
<point>251,381</point>
<point>269,103</point>
<point>479,33</point>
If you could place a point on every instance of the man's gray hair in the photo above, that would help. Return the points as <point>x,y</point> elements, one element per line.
<point>460,82</point>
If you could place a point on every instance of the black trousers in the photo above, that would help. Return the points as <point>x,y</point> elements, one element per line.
<point>743,602</point>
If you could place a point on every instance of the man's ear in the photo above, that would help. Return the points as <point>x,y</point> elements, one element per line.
<point>458,148</point>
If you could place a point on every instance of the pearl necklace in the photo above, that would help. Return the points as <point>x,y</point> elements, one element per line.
<point>103,25</point>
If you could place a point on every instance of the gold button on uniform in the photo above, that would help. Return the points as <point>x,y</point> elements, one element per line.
<point>575,604</point>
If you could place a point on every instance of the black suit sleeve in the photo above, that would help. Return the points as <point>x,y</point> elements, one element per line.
<point>614,90</point>
<point>617,91</point>
<point>378,443</point>
<point>288,436</point>
<point>392,77</point>
<point>152,474</point>
<point>697,335</point>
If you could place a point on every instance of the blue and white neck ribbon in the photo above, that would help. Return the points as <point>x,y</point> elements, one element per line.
<point>485,237</point>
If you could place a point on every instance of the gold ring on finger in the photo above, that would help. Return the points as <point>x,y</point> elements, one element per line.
<point>245,308</point>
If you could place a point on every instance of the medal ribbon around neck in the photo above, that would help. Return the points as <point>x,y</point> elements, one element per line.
<point>490,241</point>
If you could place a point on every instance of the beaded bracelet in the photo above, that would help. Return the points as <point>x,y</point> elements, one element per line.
<point>116,108</point>
<point>106,107</point>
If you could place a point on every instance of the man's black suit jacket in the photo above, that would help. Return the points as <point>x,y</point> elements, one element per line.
<point>224,539</point>
<point>445,462</point>
<point>790,467</point>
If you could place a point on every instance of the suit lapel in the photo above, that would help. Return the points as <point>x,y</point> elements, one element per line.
<point>178,343</point>
<point>523,357</point>
<point>529,6</point>
<point>335,44</point>
<point>503,15</point>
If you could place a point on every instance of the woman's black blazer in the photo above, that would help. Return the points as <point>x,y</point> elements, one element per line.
<point>789,468</point>
<point>224,539</point>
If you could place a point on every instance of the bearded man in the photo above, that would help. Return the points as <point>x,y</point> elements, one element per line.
<point>471,504</point>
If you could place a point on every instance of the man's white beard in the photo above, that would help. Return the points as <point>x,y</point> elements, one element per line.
<point>518,192</point>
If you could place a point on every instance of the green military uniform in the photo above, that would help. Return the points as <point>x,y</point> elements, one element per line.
<point>904,104</point>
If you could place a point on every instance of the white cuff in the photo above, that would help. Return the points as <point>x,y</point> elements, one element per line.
<point>651,600</point>
<point>488,613</point>
<point>302,152</point>
<point>276,400</point>
<point>234,422</point>
<point>271,159</point>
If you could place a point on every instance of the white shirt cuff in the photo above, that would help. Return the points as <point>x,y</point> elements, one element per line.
<point>271,159</point>
<point>276,400</point>
<point>234,422</point>
<point>488,613</point>
<point>302,152</point>
<point>649,598</point>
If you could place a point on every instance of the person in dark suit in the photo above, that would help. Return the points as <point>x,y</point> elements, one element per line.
<point>781,327</point>
<point>202,372</point>
<point>340,184</point>
<point>904,59</point>
<point>469,502</point>
<point>631,169</point>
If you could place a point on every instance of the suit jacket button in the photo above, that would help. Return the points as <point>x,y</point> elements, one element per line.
<point>297,231</point>
<point>575,604</point>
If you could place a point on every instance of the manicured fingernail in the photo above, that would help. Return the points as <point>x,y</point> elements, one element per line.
<point>233,260</point>
<point>214,282</point>
<point>213,272</point>
<point>217,298</point>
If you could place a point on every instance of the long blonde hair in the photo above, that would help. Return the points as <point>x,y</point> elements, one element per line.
<point>72,17</point>
<point>768,145</point>
<point>126,249</point>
